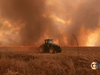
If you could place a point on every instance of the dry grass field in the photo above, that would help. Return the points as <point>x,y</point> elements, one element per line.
<point>26,61</point>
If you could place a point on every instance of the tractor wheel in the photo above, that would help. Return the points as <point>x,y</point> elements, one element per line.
<point>41,49</point>
<point>51,50</point>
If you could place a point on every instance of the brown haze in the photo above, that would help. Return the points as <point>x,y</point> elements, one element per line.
<point>29,22</point>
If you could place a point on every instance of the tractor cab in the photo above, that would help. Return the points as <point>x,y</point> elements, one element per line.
<point>48,41</point>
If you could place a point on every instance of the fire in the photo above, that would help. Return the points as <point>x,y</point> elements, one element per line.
<point>93,38</point>
<point>88,37</point>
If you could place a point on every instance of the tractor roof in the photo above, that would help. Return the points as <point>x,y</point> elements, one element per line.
<point>48,39</point>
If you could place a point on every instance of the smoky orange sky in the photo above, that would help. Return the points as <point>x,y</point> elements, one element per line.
<point>29,22</point>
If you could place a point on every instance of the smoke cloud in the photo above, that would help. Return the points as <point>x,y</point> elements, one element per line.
<point>86,15</point>
<point>30,13</point>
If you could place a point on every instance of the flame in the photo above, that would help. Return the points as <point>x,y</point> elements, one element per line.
<point>93,38</point>
<point>88,37</point>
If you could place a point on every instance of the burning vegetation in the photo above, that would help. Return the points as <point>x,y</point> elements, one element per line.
<point>29,22</point>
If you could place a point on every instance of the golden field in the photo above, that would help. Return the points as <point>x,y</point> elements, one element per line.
<point>27,61</point>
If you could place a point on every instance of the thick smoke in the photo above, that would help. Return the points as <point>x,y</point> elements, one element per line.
<point>30,13</point>
<point>86,16</point>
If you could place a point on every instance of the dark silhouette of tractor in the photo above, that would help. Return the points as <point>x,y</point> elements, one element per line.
<point>50,47</point>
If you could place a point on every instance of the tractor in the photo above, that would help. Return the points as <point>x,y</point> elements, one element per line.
<point>50,47</point>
